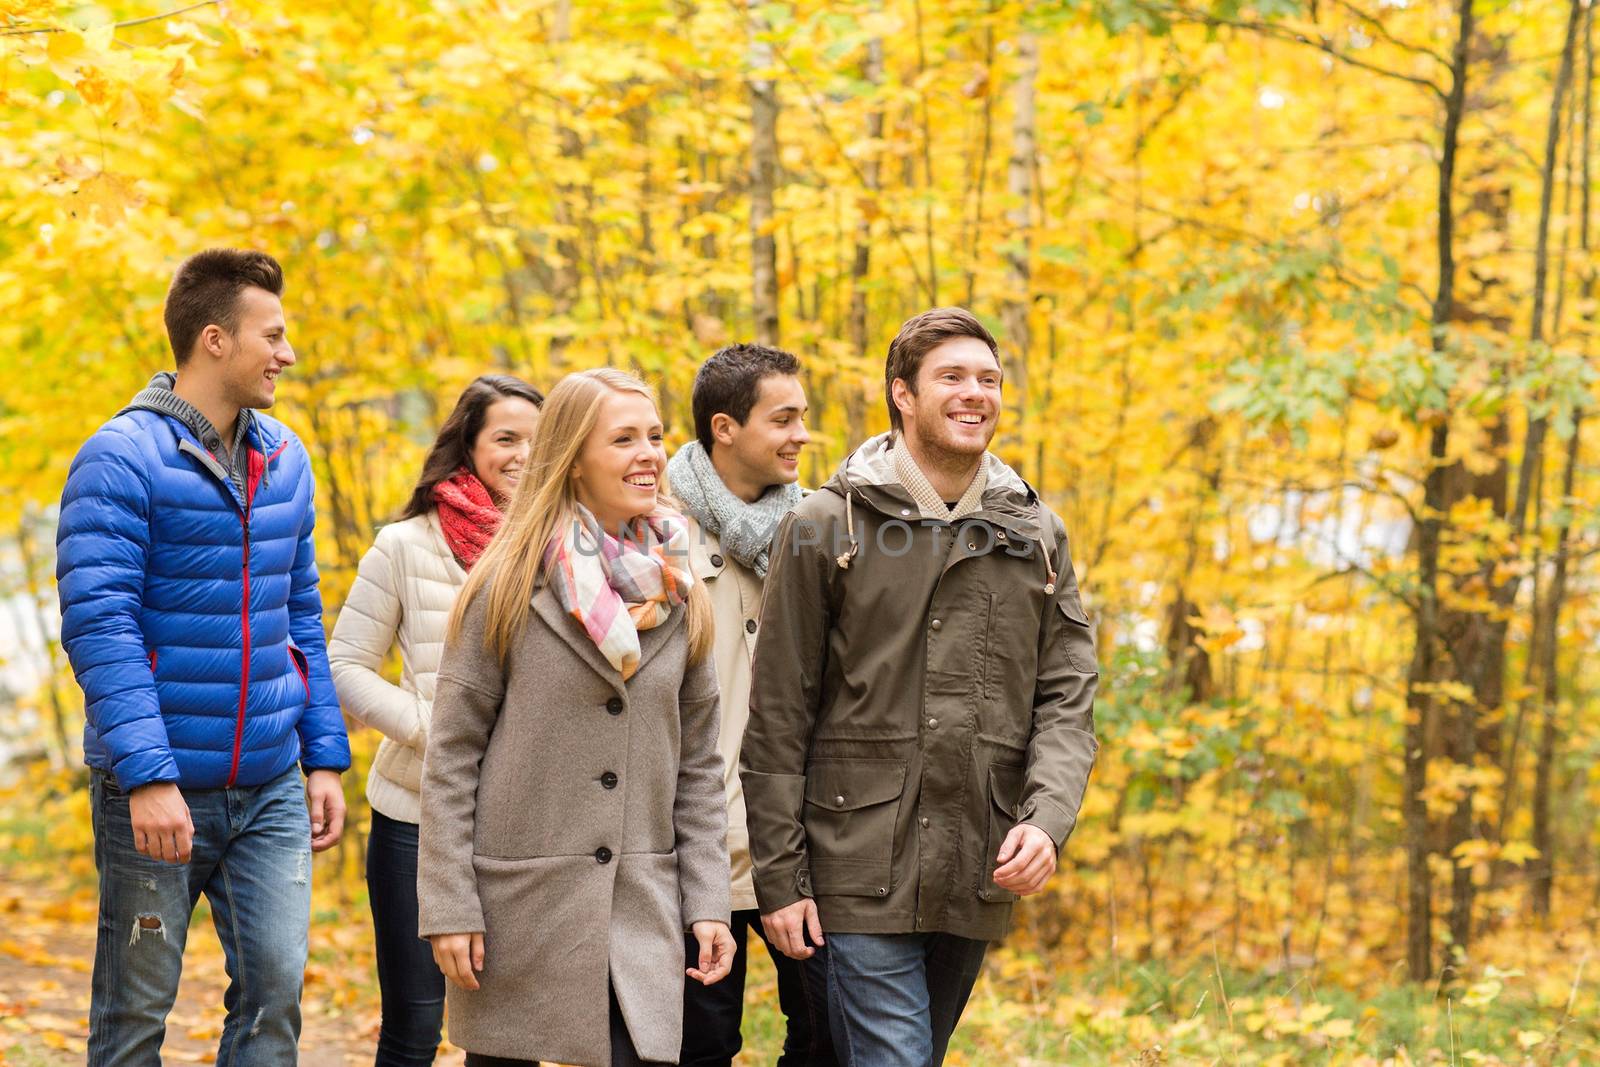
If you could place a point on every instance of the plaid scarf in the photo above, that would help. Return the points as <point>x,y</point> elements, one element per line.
<point>617,587</point>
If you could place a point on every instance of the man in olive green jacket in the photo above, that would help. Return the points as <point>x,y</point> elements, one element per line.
<point>921,715</point>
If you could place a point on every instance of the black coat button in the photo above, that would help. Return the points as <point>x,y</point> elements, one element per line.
<point>614,705</point>
<point>716,560</point>
<point>749,626</point>
<point>609,780</point>
<point>602,855</point>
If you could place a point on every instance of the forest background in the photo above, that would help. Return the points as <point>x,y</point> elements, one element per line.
<point>1296,301</point>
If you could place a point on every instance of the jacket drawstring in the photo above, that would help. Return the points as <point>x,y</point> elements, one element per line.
<point>843,559</point>
<point>1044,543</point>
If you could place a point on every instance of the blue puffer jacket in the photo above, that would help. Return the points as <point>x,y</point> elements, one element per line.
<point>191,613</point>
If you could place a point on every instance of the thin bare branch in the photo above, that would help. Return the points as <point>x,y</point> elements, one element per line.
<point>1290,36</point>
<point>1386,34</point>
<point>118,25</point>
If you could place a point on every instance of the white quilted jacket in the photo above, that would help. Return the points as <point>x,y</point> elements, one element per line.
<point>403,592</point>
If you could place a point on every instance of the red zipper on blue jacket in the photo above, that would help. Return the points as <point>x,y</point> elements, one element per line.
<point>252,478</point>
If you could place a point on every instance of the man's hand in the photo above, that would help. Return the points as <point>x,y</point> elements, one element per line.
<point>325,795</point>
<point>458,956</point>
<point>162,828</point>
<point>787,928</point>
<point>716,951</point>
<point>1026,861</point>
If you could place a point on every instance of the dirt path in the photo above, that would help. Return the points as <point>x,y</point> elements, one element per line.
<point>47,950</point>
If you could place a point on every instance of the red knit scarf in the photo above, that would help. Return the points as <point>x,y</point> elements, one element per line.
<point>468,515</point>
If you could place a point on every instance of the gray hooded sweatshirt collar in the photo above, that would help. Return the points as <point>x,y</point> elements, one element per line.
<point>159,397</point>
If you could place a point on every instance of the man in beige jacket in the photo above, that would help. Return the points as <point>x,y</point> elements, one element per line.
<point>737,481</point>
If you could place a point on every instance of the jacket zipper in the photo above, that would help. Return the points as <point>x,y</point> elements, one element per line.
<point>244,668</point>
<point>251,480</point>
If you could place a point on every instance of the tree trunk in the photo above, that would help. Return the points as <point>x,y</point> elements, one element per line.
<point>1542,874</point>
<point>763,178</point>
<point>972,235</point>
<point>1425,657</point>
<point>34,583</point>
<point>1477,637</point>
<point>1533,446</point>
<point>564,279</point>
<point>861,265</point>
<point>1019,219</point>
<point>928,191</point>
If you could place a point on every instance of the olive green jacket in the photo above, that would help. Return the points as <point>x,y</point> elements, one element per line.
<point>920,686</point>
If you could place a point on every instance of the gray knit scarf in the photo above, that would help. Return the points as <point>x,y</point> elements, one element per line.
<point>745,530</point>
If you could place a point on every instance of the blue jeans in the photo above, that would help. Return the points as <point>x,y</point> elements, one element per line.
<point>713,1015</point>
<point>411,983</point>
<point>895,999</point>
<point>252,860</point>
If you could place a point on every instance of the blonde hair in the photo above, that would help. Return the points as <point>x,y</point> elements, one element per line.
<point>511,568</point>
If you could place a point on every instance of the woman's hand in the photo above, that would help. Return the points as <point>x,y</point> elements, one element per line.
<point>459,955</point>
<point>716,951</point>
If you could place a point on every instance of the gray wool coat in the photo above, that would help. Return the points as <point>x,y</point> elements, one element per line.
<point>577,822</point>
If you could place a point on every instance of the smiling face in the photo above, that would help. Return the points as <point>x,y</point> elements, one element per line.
<point>621,462</point>
<point>765,450</point>
<point>955,408</point>
<point>256,353</point>
<point>501,449</point>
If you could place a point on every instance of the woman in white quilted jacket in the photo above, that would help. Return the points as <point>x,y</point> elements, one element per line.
<point>402,595</point>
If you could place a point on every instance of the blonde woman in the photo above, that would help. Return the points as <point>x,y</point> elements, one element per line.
<point>573,822</point>
<point>402,596</point>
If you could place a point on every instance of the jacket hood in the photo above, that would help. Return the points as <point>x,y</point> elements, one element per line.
<point>871,467</point>
<point>868,475</point>
<point>158,396</point>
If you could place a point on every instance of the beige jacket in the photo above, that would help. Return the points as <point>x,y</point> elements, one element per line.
<point>403,593</point>
<point>736,604</point>
<point>578,822</point>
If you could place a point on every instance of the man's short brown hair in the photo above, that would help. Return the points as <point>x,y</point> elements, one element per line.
<point>919,335</point>
<point>205,292</point>
<point>730,382</point>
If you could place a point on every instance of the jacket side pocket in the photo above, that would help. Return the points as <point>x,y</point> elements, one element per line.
<point>850,812</point>
<point>302,667</point>
<point>1005,791</point>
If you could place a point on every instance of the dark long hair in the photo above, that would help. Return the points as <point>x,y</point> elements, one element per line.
<point>452,449</point>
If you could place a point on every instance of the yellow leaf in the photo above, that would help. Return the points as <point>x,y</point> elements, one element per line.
<point>113,194</point>
<point>1477,850</point>
<point>1518,852</point>
<point>68,44</point>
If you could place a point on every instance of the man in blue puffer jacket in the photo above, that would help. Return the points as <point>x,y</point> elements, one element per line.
<point>191,615</point>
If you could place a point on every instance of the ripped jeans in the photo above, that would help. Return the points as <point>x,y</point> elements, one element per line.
<point>252,860</point>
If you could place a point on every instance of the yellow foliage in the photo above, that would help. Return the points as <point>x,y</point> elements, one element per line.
<point>1212,291</point>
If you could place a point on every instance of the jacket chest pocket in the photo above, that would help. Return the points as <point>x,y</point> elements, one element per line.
<point>1008,647</point>
<point>1005,791</point>
<point>850,813</point>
